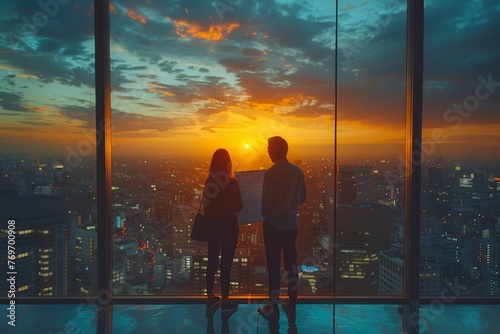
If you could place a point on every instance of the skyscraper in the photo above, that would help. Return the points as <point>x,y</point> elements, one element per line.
<point>362,233</point>
<point>353,184</point>
<point>83,253</point>
<point>41,244</point>
<point>178,240</point>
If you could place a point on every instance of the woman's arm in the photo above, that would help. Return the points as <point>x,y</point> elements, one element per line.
<point>236,196</point>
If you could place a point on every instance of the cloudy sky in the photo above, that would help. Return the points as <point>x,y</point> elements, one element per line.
<point>191,76</point>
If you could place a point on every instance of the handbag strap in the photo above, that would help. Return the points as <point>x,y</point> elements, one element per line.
<point>201,202</point>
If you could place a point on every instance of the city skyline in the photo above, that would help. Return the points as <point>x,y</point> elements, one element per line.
<point>89,227</point>
<point>154,202</point>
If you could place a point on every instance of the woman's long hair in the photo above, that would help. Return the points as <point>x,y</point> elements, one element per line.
<point>221,162</point>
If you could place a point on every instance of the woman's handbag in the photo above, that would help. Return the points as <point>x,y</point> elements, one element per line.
<point>201,227</point>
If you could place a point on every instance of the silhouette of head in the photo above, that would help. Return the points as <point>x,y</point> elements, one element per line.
<point>221,162</point>
<point>277,148</point>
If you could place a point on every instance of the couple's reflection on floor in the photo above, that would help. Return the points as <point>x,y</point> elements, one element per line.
<point>273,322</point>
<point>225,322</point>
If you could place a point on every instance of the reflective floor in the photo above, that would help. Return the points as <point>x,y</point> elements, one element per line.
<point>311,318</point>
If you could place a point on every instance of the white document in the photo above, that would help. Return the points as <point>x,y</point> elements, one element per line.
<point>251,195</point>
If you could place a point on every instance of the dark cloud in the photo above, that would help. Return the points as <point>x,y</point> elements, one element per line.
<point>252,52</point>
<point>312,110</point>
<point>279,54</point>
<point>209,90</point>
<point>81,101</point>
<point>12,101</point>
<point>128,98</point>
<point>126,67</point>
<point>131,124</point>
<point>49,44</point>
<point>372,65</point>
<point>208,129</point>
<point>38,123</point>
<point>209,111</point>
<point>460,48</point>
<point>242,64</point>
<point>52,68</point>
<point>9,79</point>
<point>79,113</point>
<point>186,77</point>
<point>169,67</point>
<point>149,105</point>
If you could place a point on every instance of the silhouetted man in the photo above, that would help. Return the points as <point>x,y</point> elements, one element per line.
<point>283,191</point>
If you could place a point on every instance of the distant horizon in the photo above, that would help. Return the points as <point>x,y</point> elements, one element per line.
<point>360,159</point>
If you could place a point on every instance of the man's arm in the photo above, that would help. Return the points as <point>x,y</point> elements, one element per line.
<point>303,191</point>
<point>266,197</point>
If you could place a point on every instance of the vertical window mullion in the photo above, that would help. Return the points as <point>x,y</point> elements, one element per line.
<point>414,81</point>
<point>103,165</point>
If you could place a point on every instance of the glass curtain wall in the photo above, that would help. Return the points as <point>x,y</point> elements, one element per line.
<point>48,231</point>
<point>369,229</point>
<point>190,77</point>
<point>460,216</point>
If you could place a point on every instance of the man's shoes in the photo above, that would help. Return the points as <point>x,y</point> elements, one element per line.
<point>212,304</point>
<point>228,308</point>
<point>268,311</point>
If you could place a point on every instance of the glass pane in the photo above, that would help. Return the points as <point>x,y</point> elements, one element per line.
<point>57,318</point>
<point>371,122</point>
<point>47,156</point>
<point>461,172</point>
<point>188,79</point>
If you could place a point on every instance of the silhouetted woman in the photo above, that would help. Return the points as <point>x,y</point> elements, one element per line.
<point>221,201</point>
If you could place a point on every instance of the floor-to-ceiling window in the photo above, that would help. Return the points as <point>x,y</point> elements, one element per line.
<point>47,152</point>
<point>460,245</point>
<point>189,78</point>
<point>369,225</point>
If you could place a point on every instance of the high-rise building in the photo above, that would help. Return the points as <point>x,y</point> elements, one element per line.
<point>159,276</point>
<point>241,279</point>
<point>488,260</point>
<point>178,241</point>
<point>354,184</point>
<point>391,274</point>
<point>83,252</point>
<point>435,269</point>
<point>362,233</point>
<point>41,244</point>
<point>347,187</point>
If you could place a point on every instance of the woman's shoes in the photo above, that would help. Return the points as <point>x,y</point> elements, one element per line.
<point>268,311</point>
<point>212,304</point>
<point>228,308</point>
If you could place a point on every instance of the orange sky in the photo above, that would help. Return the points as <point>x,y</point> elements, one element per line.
<point>247,146</point>
<point>186,81</point>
